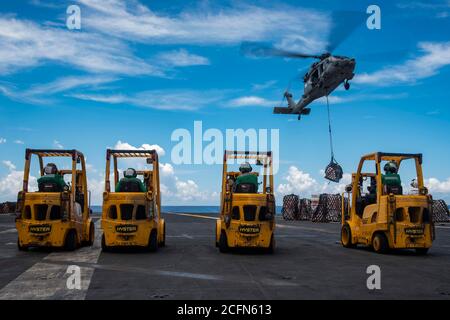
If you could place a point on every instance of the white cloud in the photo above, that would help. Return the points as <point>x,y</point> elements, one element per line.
<point>297,182</point>
<point>69,83</point>
<point>303,184</point>
<point>19,142</point>
<point>187,100</point>
<point>181,58</point>
<point>38,93</point>
<point>57,144</point>
<point>436,55</point>
<point>253,101</point>
<point>145,146</point>
<point>96,186</point>
<point>166,169</point>
<point>11,184</point>
<point>434,185</point>
<point>9,165</point>
<point>26,44</point>
<point>2,140</point>
<point>264,86</point>
<point>207,24</point>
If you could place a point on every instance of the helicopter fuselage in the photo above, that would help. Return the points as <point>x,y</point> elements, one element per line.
<point>323,77</point>
<point>326,75</point>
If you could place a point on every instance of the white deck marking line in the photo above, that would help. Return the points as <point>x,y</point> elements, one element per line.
<point>303,228</point>
<point>277,225</point>
<point>12,230</point>
<point>47,279</point>
<point>193,215</point>
<point>443,227</point>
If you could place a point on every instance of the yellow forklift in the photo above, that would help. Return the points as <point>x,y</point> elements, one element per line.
<point>131,214</point>
<point>247,217</point>
<point>58,214</point>
<point>384,216</point>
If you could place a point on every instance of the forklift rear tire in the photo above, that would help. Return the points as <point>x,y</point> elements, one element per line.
<point>223,242</point>
<point>380,243</point>
<point>153,241</point>
<point>21,248</point>
<point>422,251</point>
<point>90,241</point>
<point>346,237</point>
<point>105,248</point>
<point>163,242</point>
<point>71,241</point>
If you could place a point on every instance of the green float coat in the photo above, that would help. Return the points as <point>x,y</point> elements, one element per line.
<point>247,178</point>
<point>53,178</point>
<point>131,179</point>
<point>391,179</point>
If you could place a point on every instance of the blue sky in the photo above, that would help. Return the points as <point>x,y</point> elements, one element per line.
<point>138,70</point>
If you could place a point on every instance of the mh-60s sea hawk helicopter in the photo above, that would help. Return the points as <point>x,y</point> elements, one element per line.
<point>323,77</point>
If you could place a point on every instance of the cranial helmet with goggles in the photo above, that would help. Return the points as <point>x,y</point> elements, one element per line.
<point>50,168</point>
<point>245,167</point>
<point>391,167</point>
<point>130,173</point>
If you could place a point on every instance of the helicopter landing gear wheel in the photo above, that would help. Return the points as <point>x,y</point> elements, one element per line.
<point>346,85</point>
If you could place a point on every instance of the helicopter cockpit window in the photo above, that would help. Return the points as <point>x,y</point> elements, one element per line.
<point>315,75</point>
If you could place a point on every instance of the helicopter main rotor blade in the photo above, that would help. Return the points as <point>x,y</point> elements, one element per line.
<point>343,25</point>
<point>255,49</point>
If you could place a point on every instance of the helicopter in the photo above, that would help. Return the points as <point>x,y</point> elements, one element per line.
<point>322,78</point>
<point>324,75</point>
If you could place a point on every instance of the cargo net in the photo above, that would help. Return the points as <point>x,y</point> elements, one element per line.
<point>327,210</point>
<point>440,211</point>
<point>7,207</point>
<point>333,171</point>
<point>304,209</point>
<point>290,207</point>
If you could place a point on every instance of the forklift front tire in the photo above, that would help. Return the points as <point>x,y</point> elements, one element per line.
<point>105,248</point>
<point>223,242</point>
<point>71,241</point>
<point>153,241</point>
<point>346,237</point>
<point>380,243</point>
<point>20,247</point>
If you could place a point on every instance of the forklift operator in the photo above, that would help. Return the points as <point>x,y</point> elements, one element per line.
<point>391,179</point>
<point>245,176</point>
<point>51,177</point>
<point>130,182</point>
<point>391,176</point>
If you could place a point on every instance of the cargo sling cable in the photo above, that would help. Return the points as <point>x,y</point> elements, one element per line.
<point>333,171</point>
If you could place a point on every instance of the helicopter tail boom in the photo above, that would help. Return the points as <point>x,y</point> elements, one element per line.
<point>282,110</point>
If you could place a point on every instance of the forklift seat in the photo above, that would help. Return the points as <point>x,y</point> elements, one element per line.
<point>129,185</point>
<point>245,188</point>
<point>48,186</point>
